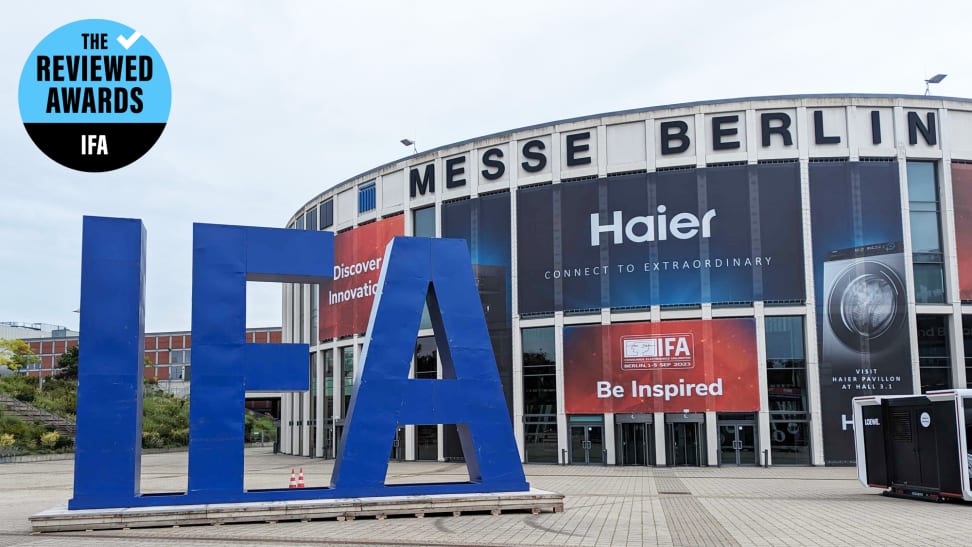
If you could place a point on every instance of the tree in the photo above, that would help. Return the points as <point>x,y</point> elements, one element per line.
<point>67,364</point>
<point>15,354</point>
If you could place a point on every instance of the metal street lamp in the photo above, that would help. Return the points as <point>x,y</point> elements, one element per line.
<point>934,80</point>
<point>409,142</point>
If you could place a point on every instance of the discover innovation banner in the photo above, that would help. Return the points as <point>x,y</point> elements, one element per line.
<point>670,366</point>
<point>720,234</point>
<point>358,254</point>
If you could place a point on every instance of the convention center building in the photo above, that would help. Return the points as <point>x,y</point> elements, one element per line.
<point>697,284</point>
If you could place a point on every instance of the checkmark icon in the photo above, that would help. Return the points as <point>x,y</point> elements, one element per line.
<point>130,41</point>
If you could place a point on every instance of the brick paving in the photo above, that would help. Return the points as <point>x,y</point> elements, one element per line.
<point>604,506</point>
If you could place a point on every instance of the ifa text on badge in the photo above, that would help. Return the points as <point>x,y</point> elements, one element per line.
<point>95,95</point>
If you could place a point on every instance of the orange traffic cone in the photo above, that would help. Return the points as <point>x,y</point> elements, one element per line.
<point>293,478</point>
<point>300,478</point>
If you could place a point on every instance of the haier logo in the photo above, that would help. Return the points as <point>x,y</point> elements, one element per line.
<point>657,351</point>
<point>640,229</point>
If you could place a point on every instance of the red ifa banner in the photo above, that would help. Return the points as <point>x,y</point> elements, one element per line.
<point>672,366</point>
<point>358,255</point>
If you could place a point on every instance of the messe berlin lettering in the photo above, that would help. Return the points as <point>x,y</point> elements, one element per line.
<point>417,272</point>
<point>674,137</point>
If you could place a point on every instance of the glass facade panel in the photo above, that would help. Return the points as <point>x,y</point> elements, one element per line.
<point>967,343</point>
<point>786,365</point>
<point>933,354</point>
<point>347,375</point>
<point>921,181</point>
<point>423,222</point>
<point>926,238</point>
<point>327,214</point>
<point>328,416</point>
<point>423,225</point>
<point>790,439</point>
<point>366,197</point>
<point>540,395</point>
<point>311,220</point>
<point>929,282</point>
<point>786,381</point>
<point>426,436</point>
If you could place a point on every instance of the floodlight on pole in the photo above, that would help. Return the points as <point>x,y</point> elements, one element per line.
<point>409,142</point>
<point>934,80</point>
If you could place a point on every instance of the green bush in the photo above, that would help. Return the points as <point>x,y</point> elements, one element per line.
<point>165,422</point>
<point>59,396</point>
<point>254,424</point>
<point>50,439</point>
<point>29,436</point>
<point>23,388</point>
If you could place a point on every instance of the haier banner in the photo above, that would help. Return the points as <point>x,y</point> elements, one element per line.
<point>859,273</point>
<point>962,196</point>
<point>671,366</point>
<point>720,234</point>
<point>484,223</point>
<point>346,299</point>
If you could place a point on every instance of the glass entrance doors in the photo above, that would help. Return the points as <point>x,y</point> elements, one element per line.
<point>737,444</point>
<point>586,444</point>
<point>685,445</point>
<point>634,444</point>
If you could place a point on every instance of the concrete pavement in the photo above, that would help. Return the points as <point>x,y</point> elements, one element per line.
<point>604,506</point>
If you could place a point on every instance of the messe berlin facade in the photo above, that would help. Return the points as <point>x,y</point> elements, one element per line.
<point>697,284</point>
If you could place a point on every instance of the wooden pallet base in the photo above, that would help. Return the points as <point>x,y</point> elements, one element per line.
<point>61,519</point>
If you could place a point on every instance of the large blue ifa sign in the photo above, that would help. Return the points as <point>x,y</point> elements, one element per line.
<point>416,271</point>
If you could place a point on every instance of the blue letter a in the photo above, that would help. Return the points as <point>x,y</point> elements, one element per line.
<point>439,272</point>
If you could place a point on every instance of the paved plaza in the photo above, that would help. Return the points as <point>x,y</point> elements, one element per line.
<point>603,506</point>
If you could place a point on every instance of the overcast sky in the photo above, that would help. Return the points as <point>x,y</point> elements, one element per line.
<point>274,102</point>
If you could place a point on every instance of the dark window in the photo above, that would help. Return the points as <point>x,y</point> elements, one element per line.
<point>310,222</point>
<point>426,436</point>
<point>540,395</point>
<point>967,342</point>
<point>934,363</point>
<point>790,438</point>
<point>347,376</point>
<point>327,214</point>
<point>926,240</point>
<point>328,415</point>
<point>786,381</point>
<point>366,197</point>
<point>299,223</point>
<point>423,224</point>
<point>786,365</point>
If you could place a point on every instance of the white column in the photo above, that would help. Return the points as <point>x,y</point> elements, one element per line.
<point>661,455</point>
<point>285,427</point>
<point>763,417</point>
<point>439,428</point>
<point>711,438</point>
<point>810,323</point>
<point>609,437</point>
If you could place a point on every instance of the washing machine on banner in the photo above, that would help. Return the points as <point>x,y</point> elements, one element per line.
<point>866,320</point>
